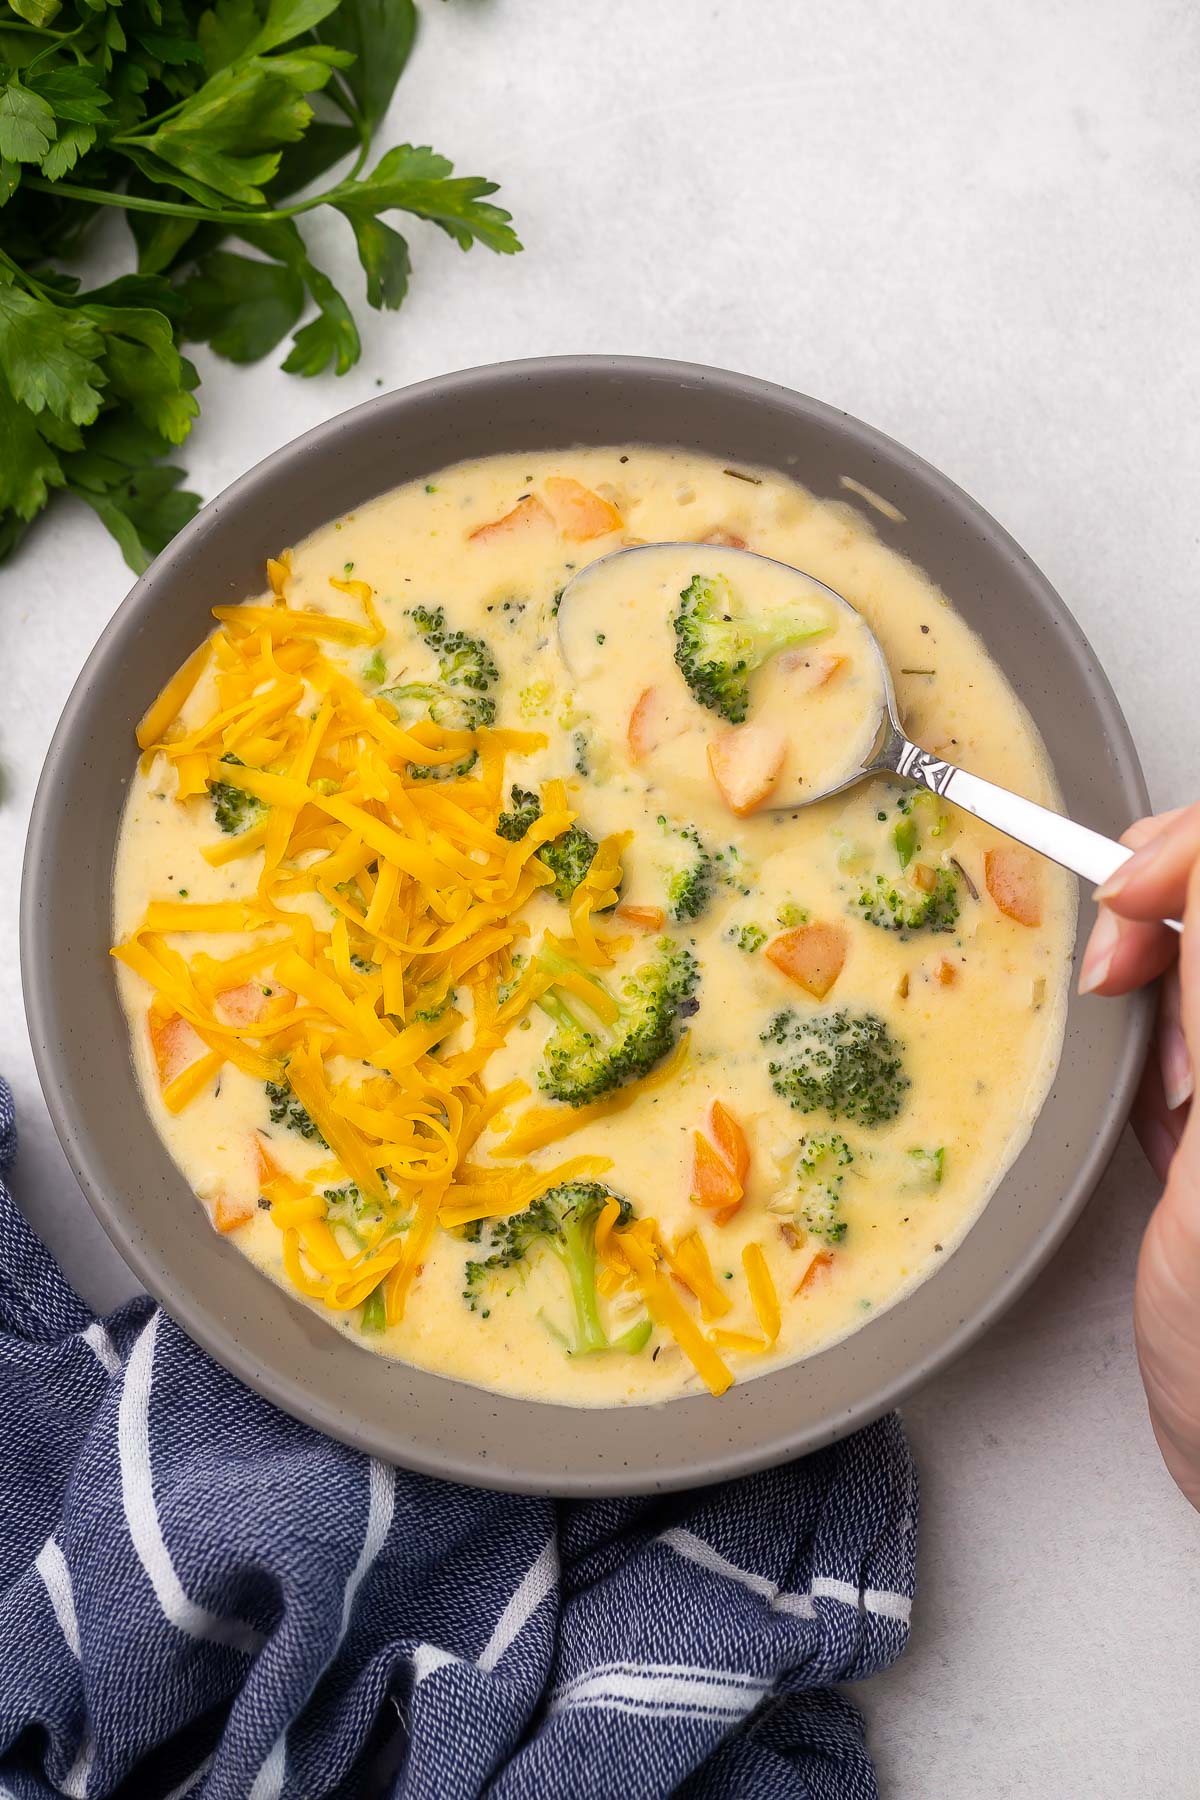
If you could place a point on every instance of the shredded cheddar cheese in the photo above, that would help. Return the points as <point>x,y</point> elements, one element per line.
<point>373,972</point>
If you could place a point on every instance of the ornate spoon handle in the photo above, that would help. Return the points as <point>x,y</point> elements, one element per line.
<point>1088,853</point>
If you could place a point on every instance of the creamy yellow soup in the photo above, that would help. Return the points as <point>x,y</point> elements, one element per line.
<point>436,966</point>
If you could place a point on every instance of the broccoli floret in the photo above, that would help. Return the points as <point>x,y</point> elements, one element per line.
<point>820,1170</point>
<point>233,808</point>
<point>718,647</point>
<point>526,811</point>
<point>460,701</point>
<point>587,1058</point>
<point>689,889</point>
<point>345,1199</point>
<point>568,858</point>
<point>747,937</point>
<point>452,711</point>
<point>464,661</point>
<point>582,758</point>
<point>374,1311</point>
<point>928,1166</point>
<point>287,1110</point>
<point>534,699</point>
<point>791,914</point>
<point>925,896</point>
<point>564,1222</point>
<point>374,669</point>
<point>904,906</point>
<point>844,1063</point>
<point>505,989</point>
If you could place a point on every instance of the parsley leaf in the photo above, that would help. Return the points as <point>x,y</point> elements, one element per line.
<point>332,337</point>
<point>242,308</point>
<point>383,253</point>
<point>138,498</point>
<point>50,357</point>
<point>29,467</point>
<point>27,127</point>
<point>379,34</point>
<point>145,369</point>
<point>198,120</point>
<point>419,181</point>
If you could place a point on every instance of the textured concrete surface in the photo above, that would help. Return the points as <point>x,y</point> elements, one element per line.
<point>975,226</point>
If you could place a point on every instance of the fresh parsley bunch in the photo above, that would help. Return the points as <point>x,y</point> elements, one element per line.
<point>199,124</point>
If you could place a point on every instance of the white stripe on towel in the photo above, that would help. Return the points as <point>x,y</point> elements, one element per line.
<point>535,1584</point>
<point>381,1502</point>
<point>427,1659</point>
<point>102,1346</point>
<point>268,1783</point>
<point>881,1601</point>
<point>189,1781</point>
<point>75,1781</point>
<point>141,1513</point>
<point>51,1565</point>
<point>663,1689</point>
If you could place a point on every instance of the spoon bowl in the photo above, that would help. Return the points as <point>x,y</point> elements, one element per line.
<point>617,651</point>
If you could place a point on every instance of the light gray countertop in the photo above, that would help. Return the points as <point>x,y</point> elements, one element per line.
<point>975,226</point>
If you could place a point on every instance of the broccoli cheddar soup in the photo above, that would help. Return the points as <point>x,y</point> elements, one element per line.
<point>483,986</point>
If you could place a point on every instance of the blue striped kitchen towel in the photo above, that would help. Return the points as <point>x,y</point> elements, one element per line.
<point>202,1597</point>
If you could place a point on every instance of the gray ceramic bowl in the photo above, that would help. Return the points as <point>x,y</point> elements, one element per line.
<point>79,1035</point>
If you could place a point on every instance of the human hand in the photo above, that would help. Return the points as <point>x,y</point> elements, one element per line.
<point>1129,947</point>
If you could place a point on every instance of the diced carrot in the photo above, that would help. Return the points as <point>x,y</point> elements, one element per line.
<point>229,1214</point>
<point>810,669</point>
<point>243,1005</point>
<point>730,1140</point>
<point>714,1183</point>
<point>822,1261</point>
<point>527,515</point>
<point>579,513</point>
<point>745,764</point>
<point>947,973</point>
<point>646,918</point>
<point>727,540</point>
<point>923,877</point>
<point>1014,882</point>
<point>810,955</point>
<point>175,1045</point>
<point>646,724</point>
<point>266,1166</point>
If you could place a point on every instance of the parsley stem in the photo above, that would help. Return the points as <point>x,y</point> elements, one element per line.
<point>67,190</point>
<point>25,278</point>
<point>340,94</point>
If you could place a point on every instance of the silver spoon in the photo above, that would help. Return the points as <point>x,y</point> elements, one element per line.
<point>1088,853</point>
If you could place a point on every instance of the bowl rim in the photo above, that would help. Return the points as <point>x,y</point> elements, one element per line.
<point>193,1314</point>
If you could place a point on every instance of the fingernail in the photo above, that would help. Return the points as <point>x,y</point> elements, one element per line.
<point>1137,865</point>
<point>1179,1083</point>
<point>1097,958</point>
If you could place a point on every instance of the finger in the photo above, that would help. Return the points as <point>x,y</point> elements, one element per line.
<point>1153,883</point>
<point>1174,1061</point>
<point>1189,967</point>
<point>1123,954</point>
<point>1144,831</point>
<point>1158,1128</point>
